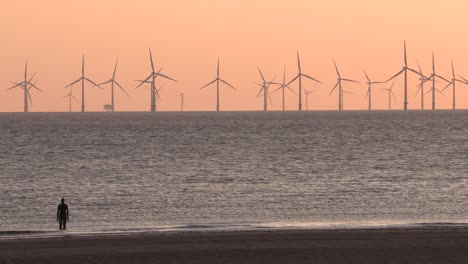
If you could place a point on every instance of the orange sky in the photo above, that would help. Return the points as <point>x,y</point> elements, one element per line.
<point>187,36</point>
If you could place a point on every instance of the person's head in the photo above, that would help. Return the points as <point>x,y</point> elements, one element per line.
<point>63,200</point>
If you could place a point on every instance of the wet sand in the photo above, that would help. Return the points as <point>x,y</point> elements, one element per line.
<point>397,245</point>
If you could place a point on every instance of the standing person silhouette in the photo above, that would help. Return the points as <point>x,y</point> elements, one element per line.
<point>62,215</point>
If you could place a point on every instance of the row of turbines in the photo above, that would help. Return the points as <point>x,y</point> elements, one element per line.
<point>29,84</point>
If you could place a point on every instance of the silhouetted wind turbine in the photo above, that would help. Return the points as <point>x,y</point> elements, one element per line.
<point>369,89</point>
<point>299,77</point>
<point>151,79</point>
<point>217,80</point>
<point>264,87</point>
<point>390,95</point>
<point>112,81</point>
<point>283,86</point>
<point>421,86</point>
<point>452,82</point>
<point>307,98</point>
<point>340,87</point>
<point>433,77</point>
<point>83,78</point>
<point>70,97</point>
<point>26,85</point>
<point>181,101</point>
<point>405,71</point>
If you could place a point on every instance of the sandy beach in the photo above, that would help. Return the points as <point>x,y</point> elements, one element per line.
<point>394,245</point>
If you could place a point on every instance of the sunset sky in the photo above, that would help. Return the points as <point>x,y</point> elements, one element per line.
<point>187,37</point>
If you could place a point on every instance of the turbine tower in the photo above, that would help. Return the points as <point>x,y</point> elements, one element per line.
<point>390,95</point>
<point>369,89</point>
<point>340,87</point>
<point>405,71</point>
<point>70,97</point>
<point>307,98</point>
<point>452,82</point>
<point>112,81</point>
<point>283,86</point>
<point>264,88</point>
<point>299,78</point>
<point>217,80</point>
<point>151,79</point>
<point>433,77</point>
<point>181,101</point>
<point>83,78</point>
<point>26,85</point>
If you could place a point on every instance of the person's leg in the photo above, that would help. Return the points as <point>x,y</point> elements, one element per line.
<point>64,223</point>
<point>60,223</point>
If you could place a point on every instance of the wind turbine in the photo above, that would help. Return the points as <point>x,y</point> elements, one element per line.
<point>340,87</point>
<point>433,77</point>
<point>452,82</point>
<point>307,98</point>
<point>217,80</point>
<point>26,85</point>
<point>181,101</point>
<point>421,86</point>
<point>151,79</point>
<point>299,77</point>
<point>112,81</point>
<point>83,78</point>
<point>283,86</point>
<point>264,88</point>
<point>369,89</point>
<point>70,97</point>
<point>390,94</point>
<point>405,71</point>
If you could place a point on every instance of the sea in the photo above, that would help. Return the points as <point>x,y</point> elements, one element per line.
<point>175,171</point>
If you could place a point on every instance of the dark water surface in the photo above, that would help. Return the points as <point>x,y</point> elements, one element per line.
<point>142,170</point>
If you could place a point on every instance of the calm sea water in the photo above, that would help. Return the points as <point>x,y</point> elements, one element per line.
<point>128,171</point>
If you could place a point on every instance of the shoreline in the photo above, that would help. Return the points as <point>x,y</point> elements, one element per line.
<point>430,244</point>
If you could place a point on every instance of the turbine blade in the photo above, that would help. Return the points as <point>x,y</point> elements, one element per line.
<point>35,87</point>
<point>210,83</point>
<point>259,92</point>
<point>291,90</point>
<point>121,88</point>
<point>226,83</point>
<point>298,62</point>
<point>151,60</point>
<point>394,76</point>
<point>336,85</point>
<point>448,85</point>
<point>349,80</point>
<point>367,77</point>
<point>465,80</point>
<point>297,76</point>
<point>313,79</point>
<point>337,71</point>
<point>16,85</point>
<point>144,81</point>
<point>95,84</point>
<point>261,74</point>
<point>419,67</point>
<point>115,68</point>
<point>167,77</point>
<point>73,83</point>
<point>416,72</point>
<point>440,77</point>
<point>105,82</point>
